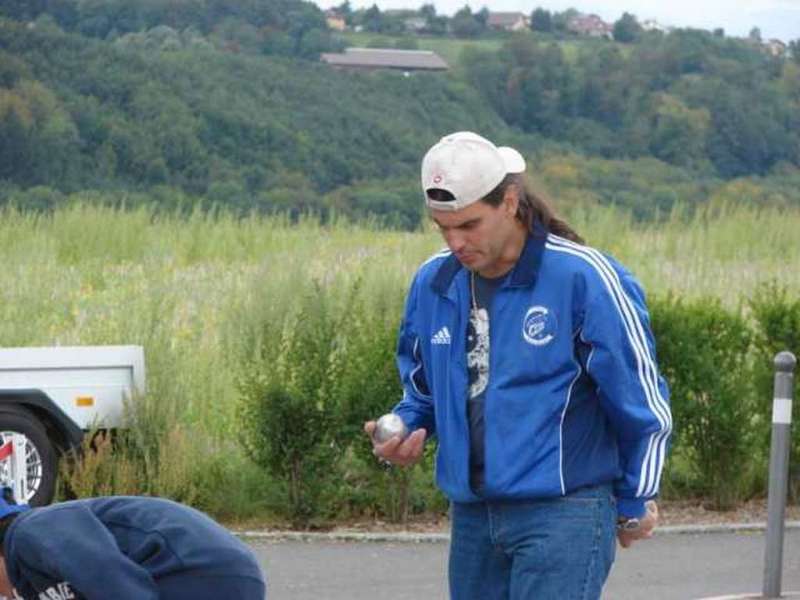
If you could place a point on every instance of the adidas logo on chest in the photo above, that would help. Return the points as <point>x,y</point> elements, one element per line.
<point>441,337</point>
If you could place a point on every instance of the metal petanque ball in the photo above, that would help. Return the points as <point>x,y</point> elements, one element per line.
<point>388,426</point>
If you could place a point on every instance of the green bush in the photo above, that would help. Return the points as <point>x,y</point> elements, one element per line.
<point>703,352</point>
<point>367,388</point>
<point>286,414</point>
<point>777,318</point>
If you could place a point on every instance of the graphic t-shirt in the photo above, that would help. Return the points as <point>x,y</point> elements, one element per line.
<point>482,292</point>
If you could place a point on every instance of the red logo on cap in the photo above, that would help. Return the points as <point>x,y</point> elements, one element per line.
<point>437,179</point>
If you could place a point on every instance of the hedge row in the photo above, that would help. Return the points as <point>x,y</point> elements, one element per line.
<point>719,365</point>
<point>331,366</point>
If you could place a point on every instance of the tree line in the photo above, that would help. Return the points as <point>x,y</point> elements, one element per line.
<point>689,98</point>
<point>293,27</point>
<point>163,102</point>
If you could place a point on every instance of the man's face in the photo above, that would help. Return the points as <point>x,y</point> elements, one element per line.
<point>479,234</point>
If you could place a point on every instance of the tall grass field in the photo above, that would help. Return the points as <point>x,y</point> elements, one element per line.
<point>208,294</point>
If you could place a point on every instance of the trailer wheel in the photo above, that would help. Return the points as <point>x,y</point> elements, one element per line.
<point>40,457</point>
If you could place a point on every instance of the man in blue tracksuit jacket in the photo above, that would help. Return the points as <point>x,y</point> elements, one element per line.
<point>529,356</point>
<point>125,548</point>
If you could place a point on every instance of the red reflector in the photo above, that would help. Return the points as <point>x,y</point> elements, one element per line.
<point>6,450</point>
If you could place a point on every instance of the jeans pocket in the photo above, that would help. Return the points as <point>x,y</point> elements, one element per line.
<point>564,547</point>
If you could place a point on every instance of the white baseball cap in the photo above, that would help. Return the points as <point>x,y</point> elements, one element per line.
<point>468,166</point>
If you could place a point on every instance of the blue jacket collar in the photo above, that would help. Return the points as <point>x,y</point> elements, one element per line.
<point>522,275</point>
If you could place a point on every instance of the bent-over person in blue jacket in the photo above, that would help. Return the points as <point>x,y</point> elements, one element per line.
<point>125,548</point>
<point>528,356</point>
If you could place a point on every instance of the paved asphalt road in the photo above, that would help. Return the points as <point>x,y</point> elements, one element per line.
<point>667,567</point>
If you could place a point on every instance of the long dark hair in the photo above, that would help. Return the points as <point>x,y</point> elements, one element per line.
<point>533,208</point>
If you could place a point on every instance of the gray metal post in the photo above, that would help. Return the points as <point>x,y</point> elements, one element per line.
<point>778,472</point>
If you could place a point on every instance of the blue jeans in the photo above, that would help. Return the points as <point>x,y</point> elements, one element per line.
<point>558,548</point>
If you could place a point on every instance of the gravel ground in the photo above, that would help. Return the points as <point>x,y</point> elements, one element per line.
<point>693,513</point>
<point>674,513</point>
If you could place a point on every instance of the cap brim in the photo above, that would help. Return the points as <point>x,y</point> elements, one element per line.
<point>512,159</point>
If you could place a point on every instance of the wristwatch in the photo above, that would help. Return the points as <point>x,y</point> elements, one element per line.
<point>628,523</point>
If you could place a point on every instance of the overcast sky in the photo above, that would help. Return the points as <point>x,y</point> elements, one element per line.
<point>776,18</point>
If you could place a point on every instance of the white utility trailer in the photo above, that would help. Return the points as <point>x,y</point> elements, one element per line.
<point>49,397</point>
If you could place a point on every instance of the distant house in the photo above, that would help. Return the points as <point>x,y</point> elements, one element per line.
<point>653,25</point>
<point>508,21</point>
<point>335,20</point>
<point>385,58</point>
<point>774,47</point>
<point>415,24</point>
<point>590,25</point>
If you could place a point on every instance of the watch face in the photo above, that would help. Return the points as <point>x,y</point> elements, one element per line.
<point>628,524</point>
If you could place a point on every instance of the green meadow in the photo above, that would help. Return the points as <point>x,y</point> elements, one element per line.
<point>451,49</point>
<point>202,292</point>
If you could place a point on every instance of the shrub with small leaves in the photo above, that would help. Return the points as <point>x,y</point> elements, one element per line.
<point>288,402</point>
<point>703,353</point>
<point>777,321</point>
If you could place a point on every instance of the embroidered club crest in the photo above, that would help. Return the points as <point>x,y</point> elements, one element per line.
<point>538,326</point>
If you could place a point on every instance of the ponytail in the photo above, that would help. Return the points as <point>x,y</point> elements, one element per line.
<point>534,210</point>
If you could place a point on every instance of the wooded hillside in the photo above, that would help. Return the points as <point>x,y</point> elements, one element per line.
<point>225,103</point>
